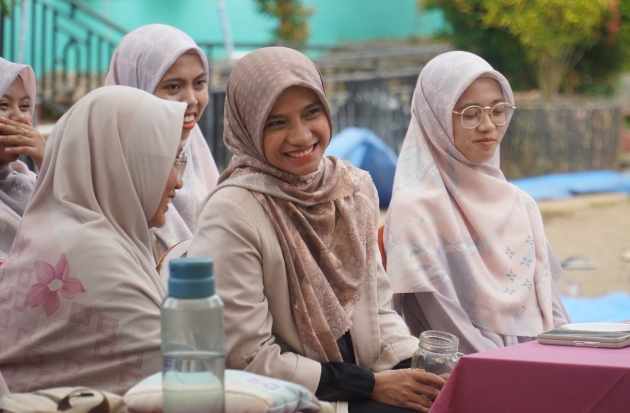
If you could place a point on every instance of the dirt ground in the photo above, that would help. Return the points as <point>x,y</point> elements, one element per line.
<point>596,227</point>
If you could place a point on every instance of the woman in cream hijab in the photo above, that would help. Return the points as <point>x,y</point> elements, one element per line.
<point>17,137</point>
<point>293,238</point>
<point>79,294</point>
<point>167,63</point>
<point>466,250</point>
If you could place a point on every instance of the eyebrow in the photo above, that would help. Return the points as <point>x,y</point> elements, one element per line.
<point>465,105</point>
<point>305,108</point>
<point>179,79</point>
<point>5,96</point>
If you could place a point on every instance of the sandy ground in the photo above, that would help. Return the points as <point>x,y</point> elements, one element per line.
<point>596,227</point>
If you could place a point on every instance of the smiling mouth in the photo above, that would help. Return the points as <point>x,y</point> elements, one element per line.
<point>302,153</point>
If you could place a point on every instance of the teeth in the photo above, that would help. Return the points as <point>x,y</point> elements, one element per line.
<point>189,118</point>
<point>301,154</point>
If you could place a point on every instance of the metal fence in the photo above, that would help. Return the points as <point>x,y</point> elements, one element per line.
<point>67,44</point>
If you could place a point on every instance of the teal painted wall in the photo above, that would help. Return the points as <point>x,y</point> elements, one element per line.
<point>333,21</point>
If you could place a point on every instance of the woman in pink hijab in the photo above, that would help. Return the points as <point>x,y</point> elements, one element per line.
<point>79,294</point>
<point>17,137</point>
<point>167,63</point>
<point>466,250</point>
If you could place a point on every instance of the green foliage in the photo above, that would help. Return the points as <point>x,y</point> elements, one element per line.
<point>580,45</point>
<point>599,69</point>
<point>293,25</point>
<point>5,5</point>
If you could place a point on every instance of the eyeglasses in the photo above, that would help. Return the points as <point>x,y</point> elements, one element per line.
<point>180,165</point>
<point>500,114</point>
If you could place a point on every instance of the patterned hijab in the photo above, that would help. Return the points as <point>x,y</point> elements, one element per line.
<point>79,294</point>
<point>15,187</point>
<point>460,228</point>
<point>324,220</point>
<point>141,60</point>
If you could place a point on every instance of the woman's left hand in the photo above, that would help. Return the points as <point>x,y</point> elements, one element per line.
<point>22,139</point>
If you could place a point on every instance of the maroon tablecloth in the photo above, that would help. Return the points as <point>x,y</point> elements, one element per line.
<point>537,378</point>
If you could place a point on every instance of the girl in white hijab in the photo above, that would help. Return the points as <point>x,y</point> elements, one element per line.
<point>17,137</point>
<point>167,63</point>
<point>466,250</point>
<point>79,293</point>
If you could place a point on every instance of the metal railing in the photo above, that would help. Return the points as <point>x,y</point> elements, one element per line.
<point>68,45</point>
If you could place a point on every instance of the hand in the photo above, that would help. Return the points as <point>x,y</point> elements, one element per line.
<point>22,139</point>
<point>410,388</point>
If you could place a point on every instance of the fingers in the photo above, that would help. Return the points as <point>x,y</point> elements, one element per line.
<point>430,379</point>
<point>10,127</point>
<point>14,123</point>
<point>16,140</point>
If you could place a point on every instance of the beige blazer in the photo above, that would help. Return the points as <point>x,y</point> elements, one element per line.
<point>260,332</point>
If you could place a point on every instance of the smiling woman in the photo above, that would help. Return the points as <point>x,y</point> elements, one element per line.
<point>17,136</point>
<point>296,132</point>
<point>293,237</point>
<point>166,62</point>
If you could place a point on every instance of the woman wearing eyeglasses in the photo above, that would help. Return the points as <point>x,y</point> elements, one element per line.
<point>466,250</point>
<point>79,294</point>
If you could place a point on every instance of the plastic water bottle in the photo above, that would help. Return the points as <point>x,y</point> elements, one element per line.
<point>192,340</point>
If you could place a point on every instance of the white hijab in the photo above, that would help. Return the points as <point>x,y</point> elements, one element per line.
<point>16,182</point>
<point>460,228</point>
<point>79,294</point>
<point>141,60</point>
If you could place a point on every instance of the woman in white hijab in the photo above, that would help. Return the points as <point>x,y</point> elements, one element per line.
<point>166,62</point>
<point>17,137</point>
<point>466,250</point>
<point>79,293</point>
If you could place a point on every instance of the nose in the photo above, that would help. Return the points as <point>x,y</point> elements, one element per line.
<point>179,184</point>
<point>486,122</point>
<point>190,97</point>
<point>300,135</point>
<point>16,115</point>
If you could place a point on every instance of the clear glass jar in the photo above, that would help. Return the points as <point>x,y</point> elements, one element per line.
<point>437,352</point>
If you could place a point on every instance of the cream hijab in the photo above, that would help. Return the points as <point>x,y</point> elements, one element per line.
<point>140,61</point>
<point>79,294</point>
<point>460,228</point>
<point>15,186</point>
<point>324,220</point>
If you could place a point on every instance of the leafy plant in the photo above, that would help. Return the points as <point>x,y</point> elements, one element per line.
<point>544,39</point>
<point>5,5</point>
<point>293,25</point>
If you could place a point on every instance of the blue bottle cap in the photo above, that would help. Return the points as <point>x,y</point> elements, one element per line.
<point>191,278</point>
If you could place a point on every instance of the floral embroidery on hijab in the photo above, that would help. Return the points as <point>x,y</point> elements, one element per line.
<point>53,281</point>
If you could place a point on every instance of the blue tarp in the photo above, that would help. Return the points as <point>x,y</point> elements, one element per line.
<point>613,307</point>
<point>363,149</point>
<point>575,183</point>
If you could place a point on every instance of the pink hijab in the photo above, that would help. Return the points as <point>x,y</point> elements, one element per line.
<point>140,61</point>
<point>16,181</point>
<point>460,228</point>
<point>79,294</point>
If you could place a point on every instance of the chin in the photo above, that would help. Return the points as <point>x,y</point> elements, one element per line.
<point>185,134</point>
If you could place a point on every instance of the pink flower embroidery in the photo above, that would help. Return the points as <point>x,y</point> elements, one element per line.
<point>51,282</point>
